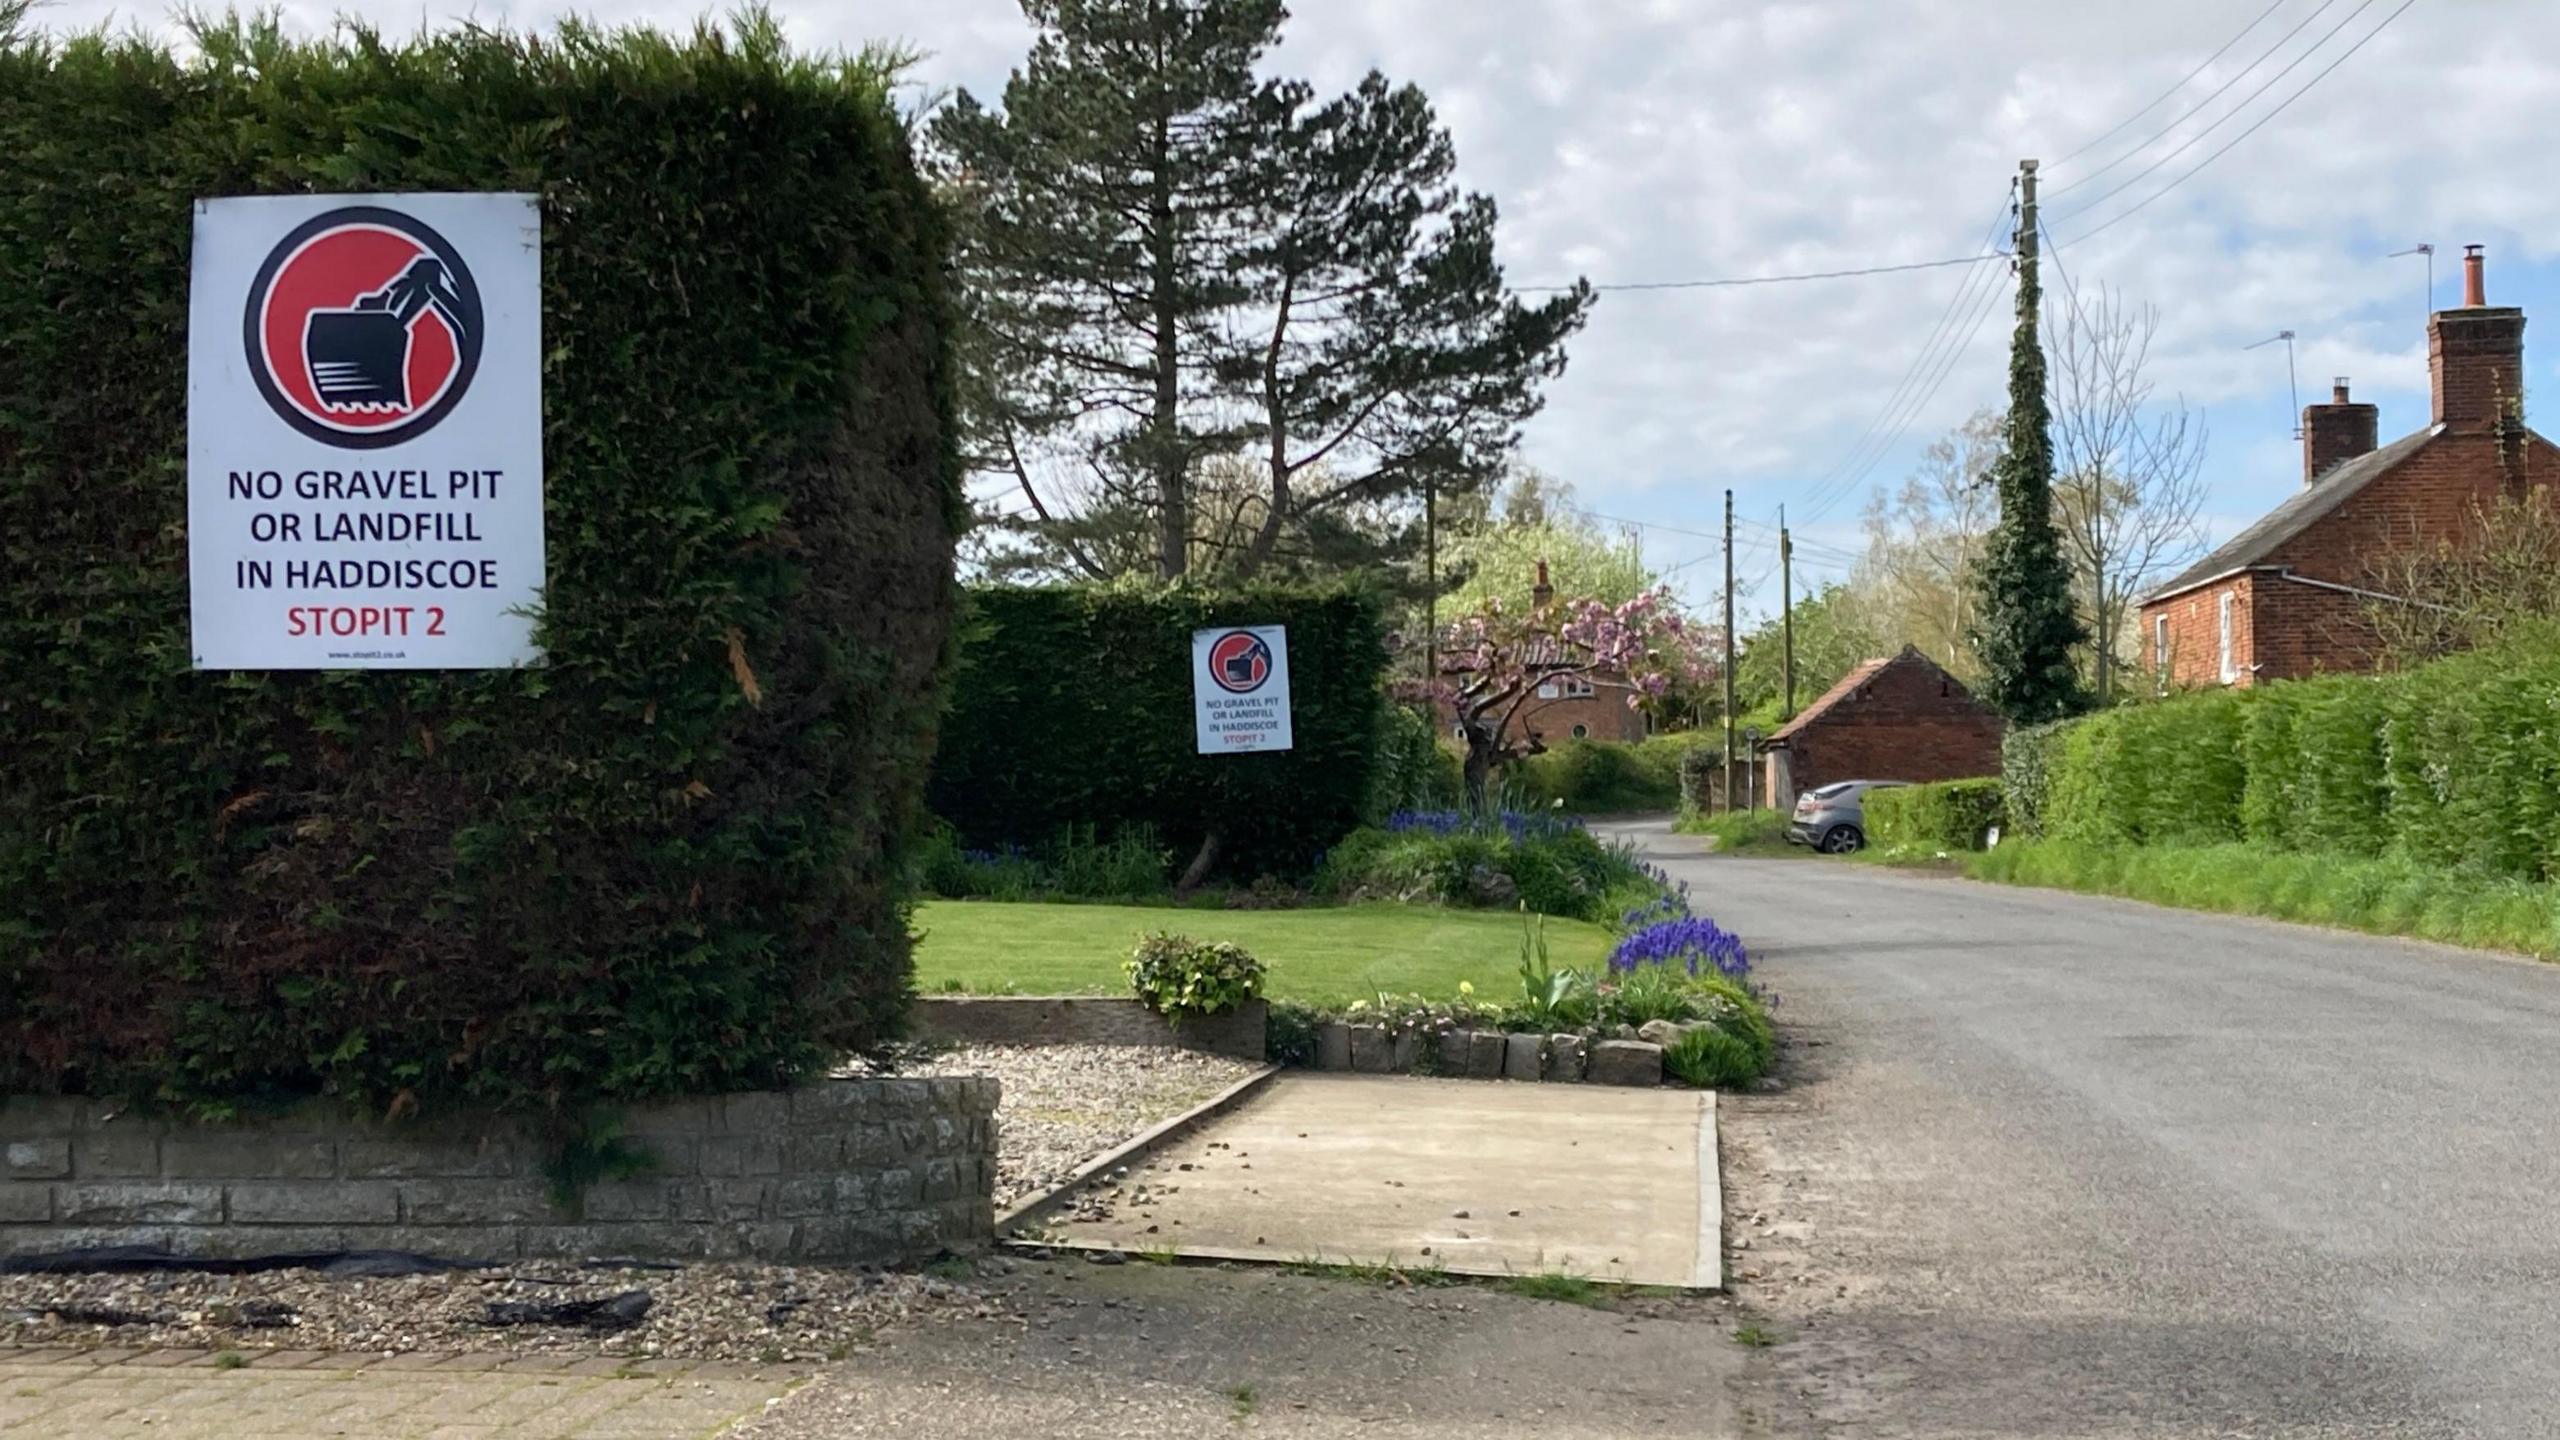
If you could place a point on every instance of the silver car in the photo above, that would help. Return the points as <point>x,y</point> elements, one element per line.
<point>1833,818</point>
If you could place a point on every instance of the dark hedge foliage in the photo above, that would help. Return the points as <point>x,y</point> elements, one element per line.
<point>665,861</point>
<point>1949,815</point>
<point>1073,706</point>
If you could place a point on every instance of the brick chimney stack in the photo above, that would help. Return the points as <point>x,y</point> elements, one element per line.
<point>1541,594</point>
<point>2337,432</point>
<point>2475,356</point>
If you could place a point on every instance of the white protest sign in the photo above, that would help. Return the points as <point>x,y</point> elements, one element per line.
<point>364,432</point>
<point>1240,688</point>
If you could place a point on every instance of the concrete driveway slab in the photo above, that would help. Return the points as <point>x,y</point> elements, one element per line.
<point>1475,1177</point>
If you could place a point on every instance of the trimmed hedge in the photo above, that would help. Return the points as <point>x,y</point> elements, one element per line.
<point>665,861</point>
<point>1073,706</point>
<point>2454,764</point>
<point>2027,757</point>
<point>1605,777</point>
<point>1948,815</point>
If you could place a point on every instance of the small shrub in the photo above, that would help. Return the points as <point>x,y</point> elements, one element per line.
<point>1739,830</point>
<point>1710,1058</point>
<point>1076,864</point>
<point>1552,867</point>
<point>1289,1034</point>
<point>1177,975</point>
<point>1949,815</point>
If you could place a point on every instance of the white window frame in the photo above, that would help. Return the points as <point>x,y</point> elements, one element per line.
<point>2160,643</point>
<point>1579,687</point>
<point>2227,604</point>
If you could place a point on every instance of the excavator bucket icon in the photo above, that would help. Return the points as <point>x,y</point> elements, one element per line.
<point>359,356</point>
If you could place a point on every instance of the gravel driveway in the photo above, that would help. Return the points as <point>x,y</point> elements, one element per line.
<point>1064,1104</point>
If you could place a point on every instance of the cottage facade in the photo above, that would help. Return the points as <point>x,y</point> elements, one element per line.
<point>2293,594</point>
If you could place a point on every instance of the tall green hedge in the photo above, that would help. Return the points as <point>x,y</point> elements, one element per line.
<point>2028,754</point>
<point>1949,815</point>
<point>1074,706</point>
<point>2453,764</point>
<point>663,861</point>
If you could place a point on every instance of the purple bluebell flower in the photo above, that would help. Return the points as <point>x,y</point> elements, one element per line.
<point>1691,942</point>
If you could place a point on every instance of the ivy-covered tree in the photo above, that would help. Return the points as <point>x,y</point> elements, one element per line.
<point>2025,623</point>
<point>1173,265</point>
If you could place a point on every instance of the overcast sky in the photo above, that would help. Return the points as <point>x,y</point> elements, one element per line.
<point>1662,140</point>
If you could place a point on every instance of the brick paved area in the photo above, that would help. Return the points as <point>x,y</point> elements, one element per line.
<point>307,1395</point>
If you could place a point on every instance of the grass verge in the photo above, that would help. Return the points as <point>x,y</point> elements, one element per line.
<point>1742,832</point>
<point>2379,896</point>
<point>1332,954</point>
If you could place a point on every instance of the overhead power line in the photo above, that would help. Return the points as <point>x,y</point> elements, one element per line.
<point>1903,387</point>
<point>1729,283</point>
<point>2192,111</point>
<point>2261,123</point>
<point>2183,82</point>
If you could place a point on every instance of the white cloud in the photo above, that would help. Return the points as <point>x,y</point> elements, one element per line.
<point>1638,140</point>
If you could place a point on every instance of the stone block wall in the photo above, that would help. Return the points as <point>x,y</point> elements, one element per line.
<point>1055,1020</point>
<point>847,1171</point>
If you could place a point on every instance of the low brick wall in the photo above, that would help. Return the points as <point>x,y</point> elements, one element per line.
<point>1057,1020</point>
<point>847,1171</point>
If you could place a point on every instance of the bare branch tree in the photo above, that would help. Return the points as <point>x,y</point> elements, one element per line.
<point>2431,597</point>
<point>2128,487</point>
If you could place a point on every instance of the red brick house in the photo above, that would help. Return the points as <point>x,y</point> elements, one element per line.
<point>2290,595</point>
<point>1902,717</point>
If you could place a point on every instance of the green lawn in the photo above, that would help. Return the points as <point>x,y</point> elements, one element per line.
<point>1335,953</point>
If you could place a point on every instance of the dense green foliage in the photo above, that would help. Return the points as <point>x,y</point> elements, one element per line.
<point>665,860</point>
<point>1075,864</point>
<point>1177,975</point>
<point>2027,627</point>
<point>2027,755</point>
<point>1949,815</point>
<point>2383,895</point>
<point>1603,777</point>
<point>2454,764</point>
<point>1415,769</point>
<point>1737,1047</point>
<point>1550,869</point>
<point>1074,706</point>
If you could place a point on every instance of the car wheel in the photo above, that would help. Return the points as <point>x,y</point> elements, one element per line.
<point>1841,839</point>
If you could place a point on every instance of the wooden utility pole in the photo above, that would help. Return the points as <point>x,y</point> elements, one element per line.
<point>1728,650</point>
<point>1787,603</point>
<point>1430,595</point>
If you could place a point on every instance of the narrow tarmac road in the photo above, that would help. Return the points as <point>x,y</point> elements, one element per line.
<point>2055,1166</point>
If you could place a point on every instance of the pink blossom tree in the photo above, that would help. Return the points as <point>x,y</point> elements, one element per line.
<point>1493,664</point>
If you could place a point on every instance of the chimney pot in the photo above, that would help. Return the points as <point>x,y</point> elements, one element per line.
<point>1542,592</point>
<point>2338,391</point>
<point>2475,281</point>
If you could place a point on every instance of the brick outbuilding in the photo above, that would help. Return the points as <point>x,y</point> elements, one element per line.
<point>2292,595</point>
<point>1902,717</point>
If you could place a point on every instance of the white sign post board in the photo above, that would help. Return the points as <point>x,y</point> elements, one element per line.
<point>364,432</point>
<point>1240,688</point>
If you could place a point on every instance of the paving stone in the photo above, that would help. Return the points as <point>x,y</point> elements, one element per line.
<point>1333,1046</point>
<point>1564,1057</point>
<point>1406,1056</point>
<point>1626,1062</point>
<point>1371,1052</point>
<point>1521,1056</point>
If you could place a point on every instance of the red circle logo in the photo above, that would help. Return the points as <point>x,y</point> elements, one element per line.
<point>363,328</point>
<point>1239,661</point>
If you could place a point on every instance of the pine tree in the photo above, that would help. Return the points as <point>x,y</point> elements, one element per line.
<point>1100,217</point>
<point>2025,622</point>
<point>1174,268</point>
